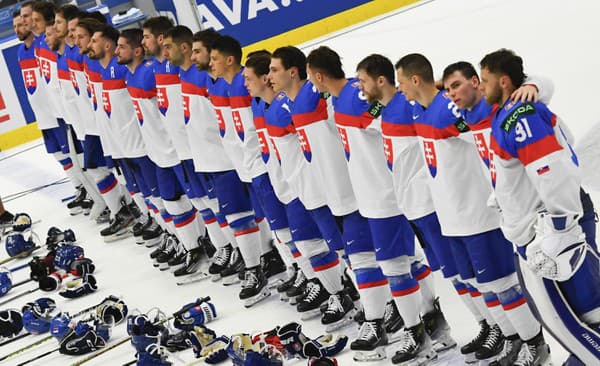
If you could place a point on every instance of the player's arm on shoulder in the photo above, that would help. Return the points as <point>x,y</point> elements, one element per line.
<point>533,89</point>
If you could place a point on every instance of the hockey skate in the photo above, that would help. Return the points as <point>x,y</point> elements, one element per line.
<point>370,343</point>
<point>415,347</point>
<point>535,352</point>
<point>349,285</point>
<point>315,295</point>
<point>510,352</point>
<point>339,313</point>
<point>119,226</point>
<point>492,346</point>
<point>273,268</point>
<point>469,349</point>
<point>86,206</point>
<point>219,262</point>
<point>138,229</point>
<point>103,217</point>
<point>254,287</point>
<point>291,273</point>
<point>235,265</point>
<point>151,234</point>
<point>162,259</point>
<point>75,205</point>
<point>162,246</point>
<point>297,289</point>
<point>192,263</point>
<point>438,329</point>
<point>392,322</point>
<point>178,259</point>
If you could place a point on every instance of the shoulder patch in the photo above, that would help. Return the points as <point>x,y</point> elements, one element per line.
<point>511,121</point>
<point>375,109</point>
<point>461,125</point>
<point>324,95</point>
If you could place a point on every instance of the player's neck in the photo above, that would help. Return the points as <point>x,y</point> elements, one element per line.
<point>478,97</point>
<point>387,94</point>
<point>135,63</point>
<point>231,72</point>
<point>268,95</point>
<point>160,57</point>
<point>186,64</point>
<point>506,93</point>
<point>61,48</point>
<point>29,40</point>
<point>104,61</point>
<point>427,94</point>
<point>294,89</point>
<point>336,85</point>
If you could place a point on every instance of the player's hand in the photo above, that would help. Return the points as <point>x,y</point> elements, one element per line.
<point>526,93</point>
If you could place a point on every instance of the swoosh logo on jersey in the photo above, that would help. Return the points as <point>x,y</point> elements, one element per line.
<point>350,242</point>
<point>480,271</point>
<point>415,116</point>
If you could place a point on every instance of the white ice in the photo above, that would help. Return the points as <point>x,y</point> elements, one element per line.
<point>557,39</point>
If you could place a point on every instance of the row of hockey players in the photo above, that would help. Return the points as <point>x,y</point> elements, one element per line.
<point>339,167</point>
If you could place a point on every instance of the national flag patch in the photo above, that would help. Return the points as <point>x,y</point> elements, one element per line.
<point>543,170</point>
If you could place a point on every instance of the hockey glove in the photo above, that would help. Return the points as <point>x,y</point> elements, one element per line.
<point>11,323</point>
<point>79,287</point>
<point>325,346</point>
<point>197,315</point>
<point>200,337</point>
<point>215,351</point>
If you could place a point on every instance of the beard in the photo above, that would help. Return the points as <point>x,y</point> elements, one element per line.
<point>23,37</point>
<point>124,61</point>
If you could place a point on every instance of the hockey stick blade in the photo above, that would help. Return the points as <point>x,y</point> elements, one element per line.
<point>6,260</point>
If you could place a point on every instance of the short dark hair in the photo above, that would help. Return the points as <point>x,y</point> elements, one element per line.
<point>505,62</point>
<point>376,65</point>
<point>465,68</point>
<point>258,53</point>
<point>133,37</point>
<point>69,12</point>
<point>16,13</point>
<point>180,34</point>
<point>228,46</point>
<point>28,3</point>
<point>291,56</point>
<point>109,33</point>
<point>327,61</point>
<point>416,64</point>
<point>158,25</point>
<point>259,63</point>
<point>91,25</point>
<point>96,15</point>
<point>207,37</point>
<point>46,9</point>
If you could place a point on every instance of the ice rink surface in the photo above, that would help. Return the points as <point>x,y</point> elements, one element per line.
<point>557,39</point>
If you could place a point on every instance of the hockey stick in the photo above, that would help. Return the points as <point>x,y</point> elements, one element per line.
<point>11,270</point>
<point>6,226</point>
<point>126,339</point>
<point>17,296</point>
<point>6,260</point>
<point>16,338</point>
<point>29,346</point>
<point>38,357</point>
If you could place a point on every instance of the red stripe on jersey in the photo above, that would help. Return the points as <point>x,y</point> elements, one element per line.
<point>498,151</point>
<point>140,93</point>
<point>394,129</point>
<point>219,101</point>
<point>318,115</point>
<point>240,101</point>
<point>28,64</point>
<point>483,124</point>
<point>379,283</point>
<point>4,118</point>
<point>114,84</point>
<point>193,89</point>
<point>64,75</point>
<point>166,79</point>
<point>348,120</point>
<point>94,76</point>
<point>47,54</point>
<point>431,132</point>
<point>553,121</point>
<point>260,123</point>
<point>75,66</point>
<point>537,150</point>
<point>276,131</point>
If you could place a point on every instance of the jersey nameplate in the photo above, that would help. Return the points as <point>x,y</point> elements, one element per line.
<point>511,121</point>
<point>375,109</point>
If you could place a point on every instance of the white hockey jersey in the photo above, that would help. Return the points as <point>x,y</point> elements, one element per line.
<point>47,60</point>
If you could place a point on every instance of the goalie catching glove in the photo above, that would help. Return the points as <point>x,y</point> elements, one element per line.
<point>558,249</point>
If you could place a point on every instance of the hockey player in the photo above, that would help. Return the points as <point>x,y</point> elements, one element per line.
<point>480,249</point>
<point>359,127</point>
<point>122,129</point>
<point>170,176</point>
<point>545,212</point>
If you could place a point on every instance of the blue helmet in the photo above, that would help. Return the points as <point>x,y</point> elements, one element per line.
<point>5,281</point>
<point>59,326</point>
<point>38,315</point>
<point>19,242</point>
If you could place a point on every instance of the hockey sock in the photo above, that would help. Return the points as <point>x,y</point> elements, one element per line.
<point>493,304</point>
<point>140,201</point>
<point>463,293</point>
<point>69,168</point>
<point>480,304</point>
<point>518,312</point>
<point>216,235</point>
<point>325,263</point>
<point>374,291</point>
<point>265,235</point>
<point>283,236</point>
<point>247,235</point>
<point>88,181</point>
<point>302,261</point>
<point>228,232</point>
<point>165,220</point>
<point>184,221</point>
<point>109,189</point>
<point>407,296</point>
<point>423,275</point>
